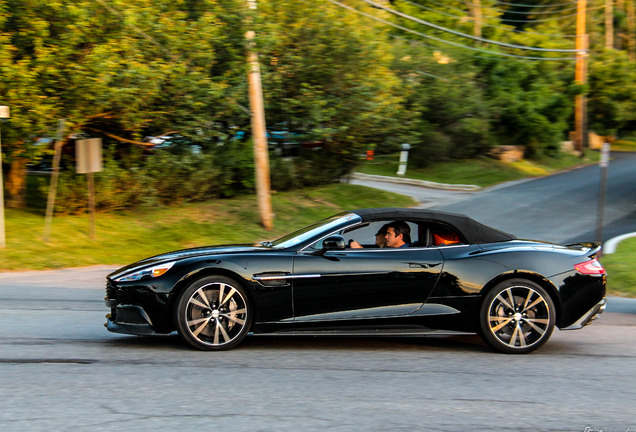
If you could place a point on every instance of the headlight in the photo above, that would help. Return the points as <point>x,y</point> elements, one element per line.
<point>151,272</point>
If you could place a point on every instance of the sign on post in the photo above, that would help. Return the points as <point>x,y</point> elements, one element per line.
<point>88,153</point>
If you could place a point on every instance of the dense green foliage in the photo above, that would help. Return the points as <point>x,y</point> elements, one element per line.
<point>125,69</point>
<point>171,176</point>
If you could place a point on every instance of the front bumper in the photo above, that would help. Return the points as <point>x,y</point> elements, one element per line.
<point>128,319</point>
<point>589,316</point>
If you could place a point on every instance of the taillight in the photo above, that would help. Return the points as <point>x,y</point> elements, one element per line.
<point>591,267</point>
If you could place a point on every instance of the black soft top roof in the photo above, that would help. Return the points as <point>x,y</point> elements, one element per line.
<point>471,230</point>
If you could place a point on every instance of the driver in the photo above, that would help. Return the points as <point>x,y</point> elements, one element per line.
<point>398,234</point>
<point>395,234</point>
<point>380,239</point>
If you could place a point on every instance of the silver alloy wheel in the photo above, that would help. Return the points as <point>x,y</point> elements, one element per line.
<point>216,315</point>
<point>520,317</point>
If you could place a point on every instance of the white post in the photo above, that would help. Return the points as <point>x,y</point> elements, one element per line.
<point>4,114</point>
<point>603,163</point>
<point>404,156</point>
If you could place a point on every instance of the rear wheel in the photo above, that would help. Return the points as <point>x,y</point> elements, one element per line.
<point>213,313</point>
<point>517,316</point>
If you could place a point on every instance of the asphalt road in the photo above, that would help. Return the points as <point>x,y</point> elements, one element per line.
<point>60,370</point>
<point>561,208</point>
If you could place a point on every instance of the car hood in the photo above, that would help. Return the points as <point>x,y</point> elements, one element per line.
<point>185,254</point>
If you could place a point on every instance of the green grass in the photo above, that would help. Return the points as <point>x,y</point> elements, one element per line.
<point>624,145</point>
<point>482,171</point>
<point>123,237</point>
<point>621,274</point>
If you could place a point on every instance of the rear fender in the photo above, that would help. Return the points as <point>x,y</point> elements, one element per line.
<point>531,276</point>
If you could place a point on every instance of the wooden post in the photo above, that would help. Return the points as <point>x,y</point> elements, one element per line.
<point>50,202</point>
<point>609,24</point>
<point>91,205</point>
<point>259,135</point>
<point>5,113</point>
<point>631,31</point>
<point>476,5</point>
<point>579,77</point>
<point>89,160</point>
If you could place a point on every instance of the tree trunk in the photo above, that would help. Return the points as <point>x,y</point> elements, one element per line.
<point>16,183</point>
<point>631,31</point>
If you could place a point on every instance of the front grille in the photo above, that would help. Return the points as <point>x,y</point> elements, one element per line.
<point>111,292</point>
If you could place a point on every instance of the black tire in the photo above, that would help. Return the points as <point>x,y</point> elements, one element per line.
<point>517,316</point>
<point>214,313</point>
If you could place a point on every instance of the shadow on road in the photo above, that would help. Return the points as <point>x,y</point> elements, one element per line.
<point>309,343</point>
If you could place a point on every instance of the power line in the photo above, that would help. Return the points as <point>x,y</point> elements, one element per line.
<point>500,10</point>
<point>432,76</point>
<point>446,41</point>
<point>540,20</point>
<point>483,24</point>
<point>536,6</point>
<point>531,12</point>
<point>457,33</point>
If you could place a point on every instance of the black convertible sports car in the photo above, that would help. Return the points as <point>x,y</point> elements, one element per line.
<point>452,274</point>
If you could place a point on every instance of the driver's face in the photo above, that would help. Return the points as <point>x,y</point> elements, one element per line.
<point>391,239</point>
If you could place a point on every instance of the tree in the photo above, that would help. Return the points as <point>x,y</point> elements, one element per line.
<point>612,96</point>
<point>326,73</point>
<point>125,69</point>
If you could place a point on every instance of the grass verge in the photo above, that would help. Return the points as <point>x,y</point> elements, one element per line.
<point>482,171</point>
<point>621,275</point>
<point>124,237</point>
<point>624,145</point>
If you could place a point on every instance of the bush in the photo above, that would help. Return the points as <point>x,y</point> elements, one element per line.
<point>171,176</point>
<point>142,180</point>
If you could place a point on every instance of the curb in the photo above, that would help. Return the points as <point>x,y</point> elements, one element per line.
<point>610,246</point>
<point>423,183</point>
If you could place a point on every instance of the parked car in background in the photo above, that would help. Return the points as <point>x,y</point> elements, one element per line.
<point>173,141</point>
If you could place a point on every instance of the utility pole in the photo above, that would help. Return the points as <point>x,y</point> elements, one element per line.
<point>618,40</point>
<point>631,31</point>
<point>579,77</point>
<point>476,6</point>
<point>259,136</point>
<point>609,24</point>
<point>5,113</point>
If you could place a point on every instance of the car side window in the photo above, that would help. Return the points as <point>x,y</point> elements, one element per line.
<point>443,236</point>
<point>365,234</point>
<point>373,235</point>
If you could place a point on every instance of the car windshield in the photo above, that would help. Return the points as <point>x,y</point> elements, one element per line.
<point>312,230</point>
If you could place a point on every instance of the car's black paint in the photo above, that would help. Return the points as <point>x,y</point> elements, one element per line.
<point>313,283</point>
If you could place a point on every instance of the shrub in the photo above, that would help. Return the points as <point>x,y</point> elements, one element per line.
<point>172,175</point>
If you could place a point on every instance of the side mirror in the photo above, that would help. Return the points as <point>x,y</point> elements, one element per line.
<point>335,242</point>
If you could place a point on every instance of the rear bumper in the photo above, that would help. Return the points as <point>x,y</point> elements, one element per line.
<point>589,316</point>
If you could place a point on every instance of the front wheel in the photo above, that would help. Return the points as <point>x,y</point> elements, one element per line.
<point>517,316</point>
<point>214,313</point>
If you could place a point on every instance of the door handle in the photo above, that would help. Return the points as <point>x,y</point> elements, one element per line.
<point>423,265</point>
